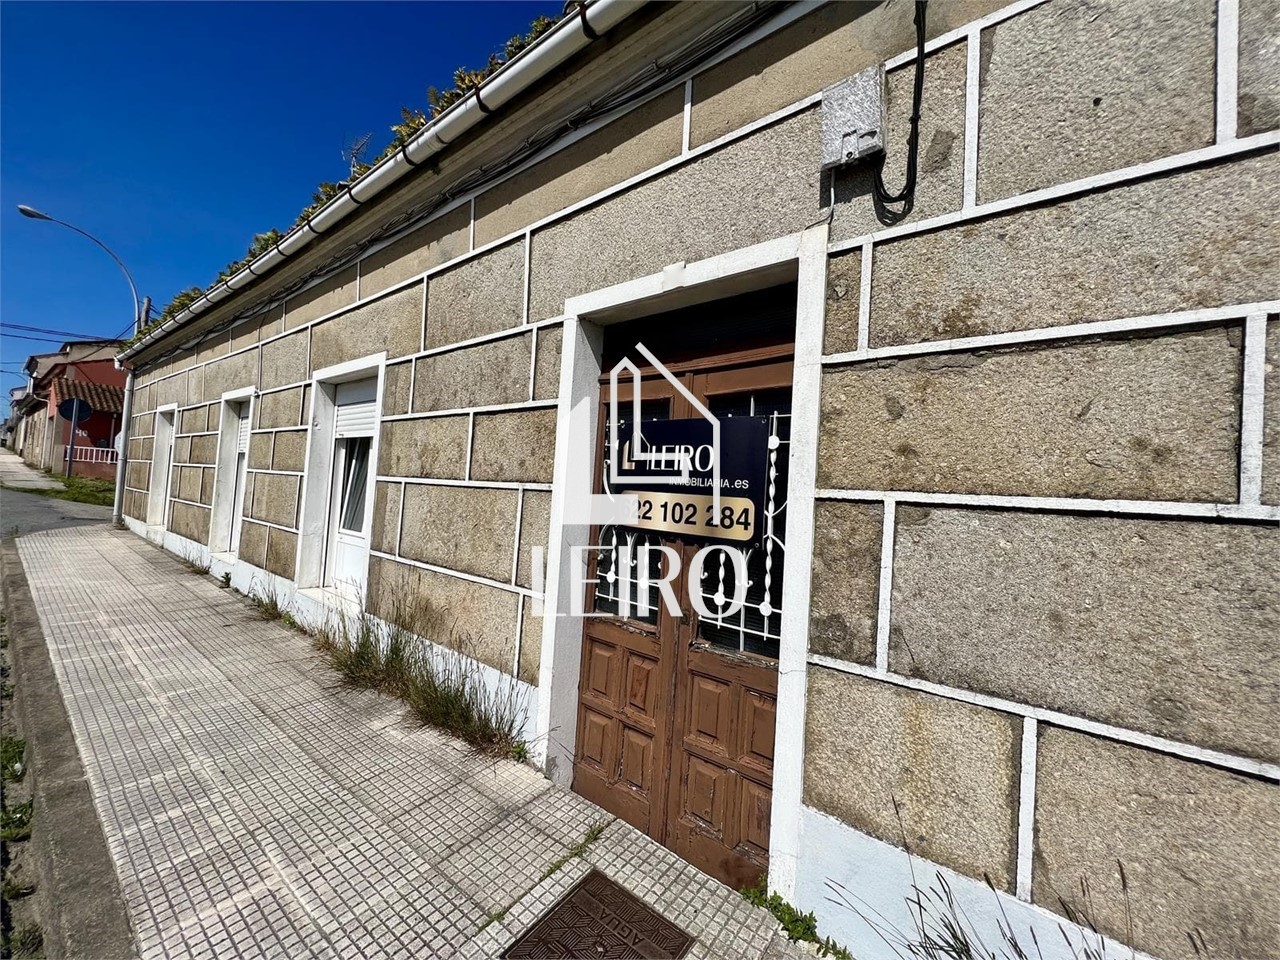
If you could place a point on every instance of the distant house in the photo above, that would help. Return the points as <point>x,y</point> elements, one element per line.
<point>83,370</point>
<point>10,426</point>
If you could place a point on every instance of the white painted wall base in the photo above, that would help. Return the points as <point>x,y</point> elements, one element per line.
<point>308,606</point>
<point>880,875</point>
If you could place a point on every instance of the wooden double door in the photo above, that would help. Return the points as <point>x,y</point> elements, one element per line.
<point>676,713</point>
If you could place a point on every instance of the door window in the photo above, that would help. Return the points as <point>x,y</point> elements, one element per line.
<point>355,479</point>
<point>355,421</point>
<point>238,477</point>
<point>161,464</point>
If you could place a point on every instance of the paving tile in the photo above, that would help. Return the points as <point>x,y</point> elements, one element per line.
<point>564,815</point>
<point>254,807</point>
<point>504,862</point>
<point>440,824</point>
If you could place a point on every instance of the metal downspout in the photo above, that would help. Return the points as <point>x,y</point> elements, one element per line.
<point>122,458</point>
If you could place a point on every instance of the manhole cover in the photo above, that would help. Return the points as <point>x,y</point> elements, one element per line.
<point>597,918</point>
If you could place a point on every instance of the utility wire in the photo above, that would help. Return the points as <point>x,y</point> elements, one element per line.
<point>62,333</point>
<point>907,195</point>
<point>19,336</point>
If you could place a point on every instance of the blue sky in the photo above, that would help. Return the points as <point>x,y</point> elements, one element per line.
<point>176,131</point>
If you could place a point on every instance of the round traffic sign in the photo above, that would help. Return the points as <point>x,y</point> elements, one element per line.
<point>75,410</point>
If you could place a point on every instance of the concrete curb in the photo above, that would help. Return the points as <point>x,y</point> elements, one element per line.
<point>82,911</point>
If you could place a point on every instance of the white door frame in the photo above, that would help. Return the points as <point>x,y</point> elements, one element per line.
<point>317,479</point>
<point>340,542</point>
<point>166,427</point>
<point>801,257</point>
<point>226,515</point>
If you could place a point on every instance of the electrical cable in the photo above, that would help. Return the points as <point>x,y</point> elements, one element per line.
<point>128,329</point>
<point>881,196</point>
<point>5,325</point>
<point>20,336</point>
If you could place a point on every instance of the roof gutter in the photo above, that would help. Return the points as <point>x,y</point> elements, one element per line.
<point>563,41</point>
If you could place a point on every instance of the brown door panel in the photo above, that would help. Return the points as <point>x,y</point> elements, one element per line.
<point>632,808</point>
<point>755,806</point>
<point>708,723</point>
<point>757,718</point>
<point>727,846</point>
<point>599,680</point>
<point>640,688</point>
<point>596,743</point>
<point>706,793</point>
<point>641,637</point>
<point>743,669</point>
<point>635,765</point>
<point>614,766</point>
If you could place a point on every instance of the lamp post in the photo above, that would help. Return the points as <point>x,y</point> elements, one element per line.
<point>117,510</point>
<point>34,214</point>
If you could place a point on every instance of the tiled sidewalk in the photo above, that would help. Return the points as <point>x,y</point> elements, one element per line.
<point>254,809</point>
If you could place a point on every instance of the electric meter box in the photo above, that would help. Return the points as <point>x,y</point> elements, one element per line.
<point>854,117</point>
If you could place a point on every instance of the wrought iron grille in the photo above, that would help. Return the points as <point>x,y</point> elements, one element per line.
<point>755,627</point>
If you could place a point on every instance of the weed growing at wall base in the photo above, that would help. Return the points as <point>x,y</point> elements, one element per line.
<point>942,929</point>
<point>195,561</point>
<point>12,749</point>
<point>444,688</point>
<point>14,889</point>
<point>269,601</point>
<point>799,927</point>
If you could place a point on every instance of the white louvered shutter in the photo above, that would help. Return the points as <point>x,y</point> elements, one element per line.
<point>357,409</point>
<point>242,436</point>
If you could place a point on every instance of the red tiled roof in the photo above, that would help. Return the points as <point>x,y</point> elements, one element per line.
<point>100,396</point>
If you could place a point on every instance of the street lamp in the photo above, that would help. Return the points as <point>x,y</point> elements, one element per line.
<point>33,214</point>
<point>117,511</point>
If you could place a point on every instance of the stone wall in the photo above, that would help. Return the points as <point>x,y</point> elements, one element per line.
<point>1044,602</point>
<point>469,400</point>
<point>1036,416</point>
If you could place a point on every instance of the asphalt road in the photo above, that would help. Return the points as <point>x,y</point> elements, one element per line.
<point>27,512</point>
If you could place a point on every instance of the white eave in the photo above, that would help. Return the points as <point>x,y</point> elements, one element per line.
<point>553,48</point>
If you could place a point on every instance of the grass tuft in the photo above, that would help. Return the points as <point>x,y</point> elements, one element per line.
<point>26,941</point>
<point>445,689</point>
<point>593,833</point>
<point>15,822</point>
<point>269,601</point>
<point>195,563</point>
<point>13,889</point>
<point>942,929</point>
<point>12,750</point>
